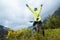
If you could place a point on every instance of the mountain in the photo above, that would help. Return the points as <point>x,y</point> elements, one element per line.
<point>1,26</point>
<point>3,30</point>
<point>57,12</point>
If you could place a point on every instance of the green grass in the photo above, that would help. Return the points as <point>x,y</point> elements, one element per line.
<point>50,34</point>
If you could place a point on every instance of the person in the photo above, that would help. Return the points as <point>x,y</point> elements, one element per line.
<point>37,18</point>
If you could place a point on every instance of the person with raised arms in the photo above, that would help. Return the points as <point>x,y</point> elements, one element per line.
<point>37,18</point>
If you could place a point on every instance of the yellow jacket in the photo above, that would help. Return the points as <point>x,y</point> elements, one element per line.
<point>36,13</point>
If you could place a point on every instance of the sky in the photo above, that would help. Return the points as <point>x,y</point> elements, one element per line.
<point>15,15</point>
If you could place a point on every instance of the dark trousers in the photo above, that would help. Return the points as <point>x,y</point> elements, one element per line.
<point>35,22</point>
<point>39,27</point>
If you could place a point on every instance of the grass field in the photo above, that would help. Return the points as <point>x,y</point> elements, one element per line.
<point>50,34</point>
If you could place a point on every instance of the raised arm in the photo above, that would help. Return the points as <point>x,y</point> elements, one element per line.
<point>40,9</point>
<point>30,8</point>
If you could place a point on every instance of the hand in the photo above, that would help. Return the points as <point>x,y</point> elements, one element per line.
<point>27,5</point>
<point>41,5</point>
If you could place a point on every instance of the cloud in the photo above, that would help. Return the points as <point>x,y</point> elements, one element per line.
<point>15,15</point>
